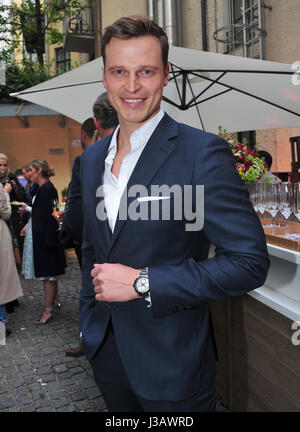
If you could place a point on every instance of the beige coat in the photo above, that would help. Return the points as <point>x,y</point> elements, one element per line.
<point>10,286</point>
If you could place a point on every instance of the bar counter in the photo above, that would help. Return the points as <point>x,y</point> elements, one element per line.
<point>258,335</point>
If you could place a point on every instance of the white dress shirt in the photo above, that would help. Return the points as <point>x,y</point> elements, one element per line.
<point>113,187</point>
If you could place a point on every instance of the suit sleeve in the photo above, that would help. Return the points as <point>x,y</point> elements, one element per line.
<point>87,295</point>
<point>241,259</point>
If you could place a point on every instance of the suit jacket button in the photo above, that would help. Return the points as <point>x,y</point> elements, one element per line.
<point>108,307</point>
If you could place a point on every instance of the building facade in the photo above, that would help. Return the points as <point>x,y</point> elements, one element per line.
<point>268,29</point>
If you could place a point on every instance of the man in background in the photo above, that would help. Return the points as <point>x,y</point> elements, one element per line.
<point>104,122</point>
<point>268,177</point>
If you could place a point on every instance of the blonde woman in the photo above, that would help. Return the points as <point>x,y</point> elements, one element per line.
<point>43,256</point>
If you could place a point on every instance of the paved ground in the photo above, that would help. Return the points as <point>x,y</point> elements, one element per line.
<point>35,373</point>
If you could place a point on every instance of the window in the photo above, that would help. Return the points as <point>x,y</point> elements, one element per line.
<point>236,10</point>
<point>236,18</point>
<point>63,61</point>
<point>250,137</point>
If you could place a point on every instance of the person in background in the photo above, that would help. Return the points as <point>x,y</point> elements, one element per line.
<point>105,121</point>
<point>70,233</point>
<point>268,177</point>
<point>105,116</point>
<point>10,286</point>
<point>21,178</point>
<point>43,256</point>
<point>16,221</point>
<point>31,188</point>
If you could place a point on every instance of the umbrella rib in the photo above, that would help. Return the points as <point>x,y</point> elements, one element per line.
<point>197,108</point>
<point>177,87</point>
<point>59,87</point>
<point>164,98</point>
<point>210,97</point>
<point>247,94</point>
<point>207,88</point>
<point>235,71</point>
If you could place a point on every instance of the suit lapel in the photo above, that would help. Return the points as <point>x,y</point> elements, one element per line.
<point>155,153</point>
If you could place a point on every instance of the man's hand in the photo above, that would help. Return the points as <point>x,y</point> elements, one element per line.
<point>114,282</point>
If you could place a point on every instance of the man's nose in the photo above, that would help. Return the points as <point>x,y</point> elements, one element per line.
<point>132,83</point>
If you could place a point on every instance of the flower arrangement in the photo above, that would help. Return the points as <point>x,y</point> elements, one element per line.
<point>250,167</point>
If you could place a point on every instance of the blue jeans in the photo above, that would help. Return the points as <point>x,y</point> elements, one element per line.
<point>3,314</point>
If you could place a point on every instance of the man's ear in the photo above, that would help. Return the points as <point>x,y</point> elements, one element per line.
<point>166,78</point>
<point>99,128</point>
<point>96,123</point>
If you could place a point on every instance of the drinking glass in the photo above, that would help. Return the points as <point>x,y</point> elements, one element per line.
<point>296,207</point>
<point>297,200</point>
<point>55,212</point>
<point>261,198</point>
<point>272,202</point>
<point>286,202</point>
<point>252,189</point>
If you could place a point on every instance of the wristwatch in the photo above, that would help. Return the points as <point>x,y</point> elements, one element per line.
<point>141,284</point>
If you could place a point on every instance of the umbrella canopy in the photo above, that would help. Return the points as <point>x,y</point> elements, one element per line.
<point>205,90</point>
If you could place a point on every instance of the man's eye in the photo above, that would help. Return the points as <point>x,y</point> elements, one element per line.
<point>118,72</point>
<point>147,72</point>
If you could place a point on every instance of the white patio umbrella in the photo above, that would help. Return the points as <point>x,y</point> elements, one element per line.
<point>205,90</point>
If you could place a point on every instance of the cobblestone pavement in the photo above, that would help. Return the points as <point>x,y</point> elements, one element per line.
<point>35,373</point>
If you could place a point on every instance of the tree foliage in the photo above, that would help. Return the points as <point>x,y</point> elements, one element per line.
<point>21,76</point>
<point>36,22</point>
<point>31,24</point>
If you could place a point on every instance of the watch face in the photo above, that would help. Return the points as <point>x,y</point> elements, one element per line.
<point>142,285</point>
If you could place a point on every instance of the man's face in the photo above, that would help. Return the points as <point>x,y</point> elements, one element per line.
<point>3,167</point>
<point>26,174</point>
<point>134,77</point>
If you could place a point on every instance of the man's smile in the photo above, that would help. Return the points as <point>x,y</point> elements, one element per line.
<point>133,102</point>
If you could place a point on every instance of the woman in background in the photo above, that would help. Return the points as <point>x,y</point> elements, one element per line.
<point>43,256</point>
<point>10,286</point>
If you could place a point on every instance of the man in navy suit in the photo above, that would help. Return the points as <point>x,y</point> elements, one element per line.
<point>147,278</point>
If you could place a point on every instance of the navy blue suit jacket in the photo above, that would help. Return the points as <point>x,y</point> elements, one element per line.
<point>167,349</point>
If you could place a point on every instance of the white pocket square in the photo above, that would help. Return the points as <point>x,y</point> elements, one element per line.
<point>152,198</point>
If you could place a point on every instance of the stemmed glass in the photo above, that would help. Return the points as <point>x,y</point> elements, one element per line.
<point>252,189</point>
<point>272,200</point>
<point>297,200</point>
<point>286,202</point>
<point>297,206</point>
<point>55,212</point>
<point>261,203</point>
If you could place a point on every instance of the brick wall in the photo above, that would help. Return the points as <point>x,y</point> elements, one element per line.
<point>282,24</point>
